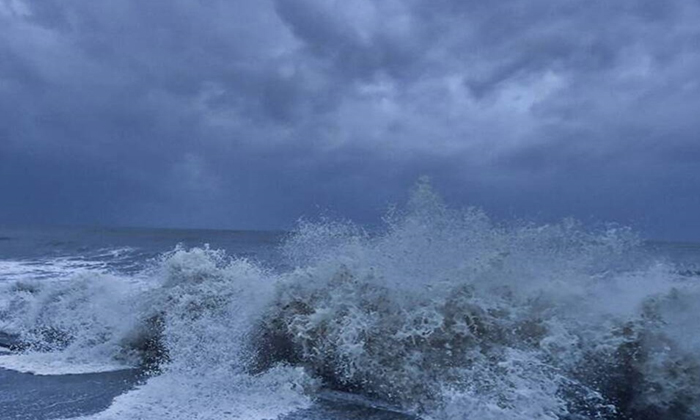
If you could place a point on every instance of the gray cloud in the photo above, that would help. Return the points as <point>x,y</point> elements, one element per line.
<point>250,114</point>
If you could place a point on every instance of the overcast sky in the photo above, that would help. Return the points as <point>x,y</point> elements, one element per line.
<point>250,114</point>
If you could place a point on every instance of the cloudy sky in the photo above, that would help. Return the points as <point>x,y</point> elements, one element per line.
<point>250,114</point>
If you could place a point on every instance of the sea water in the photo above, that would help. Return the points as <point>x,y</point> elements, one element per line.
<point>440,314</point>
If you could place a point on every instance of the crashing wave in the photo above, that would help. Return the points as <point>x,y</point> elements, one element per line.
<point>445,314</point>
<point>450,314</point>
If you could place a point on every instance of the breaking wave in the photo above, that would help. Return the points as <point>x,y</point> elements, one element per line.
<point>444,314</point>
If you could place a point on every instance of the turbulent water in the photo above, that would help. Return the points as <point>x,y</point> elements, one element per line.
<point>441,314</point>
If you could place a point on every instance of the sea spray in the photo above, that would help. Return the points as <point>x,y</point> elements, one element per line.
<point>451,315</point>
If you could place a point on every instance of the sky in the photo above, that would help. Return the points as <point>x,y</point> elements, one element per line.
<point>250,114</point>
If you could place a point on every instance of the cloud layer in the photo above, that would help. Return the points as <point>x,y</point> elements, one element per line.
<point>250,114</point>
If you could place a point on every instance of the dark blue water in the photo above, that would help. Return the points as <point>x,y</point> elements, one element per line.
<point>30,397</point>
<point>130,249</point>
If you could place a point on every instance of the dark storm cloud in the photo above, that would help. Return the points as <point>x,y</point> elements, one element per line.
<point>249,114</point>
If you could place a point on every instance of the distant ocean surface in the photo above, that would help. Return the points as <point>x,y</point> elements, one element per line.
<point>443,314</point>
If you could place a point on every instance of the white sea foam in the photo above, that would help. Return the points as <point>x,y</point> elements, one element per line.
<point>181,396</point>
<point>57,268</point>
<point>58,363</point>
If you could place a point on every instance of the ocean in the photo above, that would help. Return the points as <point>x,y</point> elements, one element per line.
<point>439,314</point>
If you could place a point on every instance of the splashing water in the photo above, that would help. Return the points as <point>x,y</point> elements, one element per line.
<point>444,314</point>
